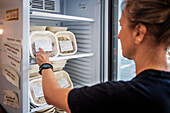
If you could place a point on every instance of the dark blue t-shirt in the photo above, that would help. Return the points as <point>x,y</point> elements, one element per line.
<point>148,92</point>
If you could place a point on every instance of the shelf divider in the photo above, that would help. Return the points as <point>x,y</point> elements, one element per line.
<point>51,16</point>
<point>67,57</point>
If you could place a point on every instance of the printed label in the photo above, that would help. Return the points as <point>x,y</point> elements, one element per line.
<point>11,75</point>
<point>14,41</point>
<point>45,44</point>
<point>14,62</point>
<point>13,50</point>
<point>66,45</point>
<point>63,83</point>
<point>11,99</point>
<point>38,91</point>
<point>12,14</point>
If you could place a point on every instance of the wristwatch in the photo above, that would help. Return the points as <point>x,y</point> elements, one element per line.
<point>45,66</point>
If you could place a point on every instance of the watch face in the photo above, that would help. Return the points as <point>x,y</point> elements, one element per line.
<point>46,66</point>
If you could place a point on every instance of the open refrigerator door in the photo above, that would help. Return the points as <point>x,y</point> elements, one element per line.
<point>75,29</point>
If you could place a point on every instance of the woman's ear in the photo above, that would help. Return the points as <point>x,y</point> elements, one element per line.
<point>140,34</point>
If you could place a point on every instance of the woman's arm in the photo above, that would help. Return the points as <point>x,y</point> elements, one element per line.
<point>53,94</point>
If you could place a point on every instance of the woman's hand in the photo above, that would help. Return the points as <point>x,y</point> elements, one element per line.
<point>41,57</point>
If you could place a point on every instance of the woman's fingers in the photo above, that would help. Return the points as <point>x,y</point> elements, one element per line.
<point>41,57</point>
<point>42,51</point>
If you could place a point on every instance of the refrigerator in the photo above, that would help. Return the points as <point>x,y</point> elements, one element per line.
<point>87,19</point>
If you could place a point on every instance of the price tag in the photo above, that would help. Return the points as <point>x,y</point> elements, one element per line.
<point>45,44</point>
<point>38,91</point>
<point>63,83</point>
<point>66,45</point>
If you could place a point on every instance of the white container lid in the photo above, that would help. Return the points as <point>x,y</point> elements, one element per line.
<point>67,42</point>
<point>46,40</point>
<point>56,29</point>
<point>37,28</point>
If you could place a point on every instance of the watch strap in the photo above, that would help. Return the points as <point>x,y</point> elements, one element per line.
<point>45,66</point>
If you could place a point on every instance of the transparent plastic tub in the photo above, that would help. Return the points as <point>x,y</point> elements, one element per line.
<point>67,42</point>
<point>56,29</point>
<point>46,40</point>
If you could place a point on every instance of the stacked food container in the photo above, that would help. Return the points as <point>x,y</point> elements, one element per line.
<point>55,41</point>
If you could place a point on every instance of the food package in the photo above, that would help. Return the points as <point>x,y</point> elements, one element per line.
<point>67,42</point>
<point>56,29</point>
<point>33,70</point>
<point>45,40</point>
<point>36,91</point>
<point>37,28</point>
<point>47,110</point>
<point>63,79</point>
<point>57,66</point>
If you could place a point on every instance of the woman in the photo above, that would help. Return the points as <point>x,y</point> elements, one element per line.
<point>145,38</point>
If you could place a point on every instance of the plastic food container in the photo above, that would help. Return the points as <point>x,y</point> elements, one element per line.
<point>56,29</point>
<point>58,65</point>
<point>47,110</point>
<point>36,91</point>
<point>46,40</point>
<point>67,42</point>
<point>63,79</point>
<point>33,70</point>
<point>37,28</point>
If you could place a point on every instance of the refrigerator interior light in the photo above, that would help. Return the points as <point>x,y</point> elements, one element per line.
<point>1,30</point>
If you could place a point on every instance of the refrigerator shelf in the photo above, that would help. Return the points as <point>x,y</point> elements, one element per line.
<point>50,16</point>
<point>77,55</point>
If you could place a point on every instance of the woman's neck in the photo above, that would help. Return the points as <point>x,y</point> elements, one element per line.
<point>150,59</point>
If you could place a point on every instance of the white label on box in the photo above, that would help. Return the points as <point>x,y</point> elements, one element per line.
<point>11,99</point>
<point>13,50</point>
<point>63,83</point>
<point>11,75</point>
<point>45,44</point>
<point>38,91</point>
<point>14,62</point>
<point>66,46</point>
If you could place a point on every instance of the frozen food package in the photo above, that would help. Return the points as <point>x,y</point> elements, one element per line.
<point>36,91</point>
<point>67,42</point>
<point>58,65</point>
<point>45,40</point>
<point>37,28</point>
<point>56,29</point>
<point>33,70</point>
<point>63,79</point>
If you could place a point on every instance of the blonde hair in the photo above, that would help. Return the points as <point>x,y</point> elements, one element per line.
<point>154,14</point>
